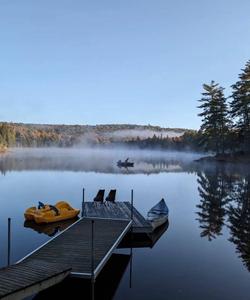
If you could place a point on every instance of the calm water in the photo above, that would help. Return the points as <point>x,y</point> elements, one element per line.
<point>204,253</point>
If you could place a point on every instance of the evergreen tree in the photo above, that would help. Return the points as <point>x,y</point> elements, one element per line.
<point>240,107</point>
<point>215,123</point>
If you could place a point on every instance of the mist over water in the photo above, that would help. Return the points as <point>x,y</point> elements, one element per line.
<point>98,159</point>
<point>142,134</point>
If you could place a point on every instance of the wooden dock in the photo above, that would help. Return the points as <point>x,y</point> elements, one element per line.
<point>75,251</point>
<point>73,246</point>
<point>24,279</point>
<point>117,210</point>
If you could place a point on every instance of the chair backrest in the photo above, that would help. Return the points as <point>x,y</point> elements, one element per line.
<point>111,196</point>
<point>99,196</point>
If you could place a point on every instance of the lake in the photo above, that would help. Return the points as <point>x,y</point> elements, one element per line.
<point>203,254</point>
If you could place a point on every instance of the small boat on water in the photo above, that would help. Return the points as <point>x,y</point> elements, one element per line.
<point>158,214</point>
<point>30,212</point>
<point>125,163</point>
<point>49,213</point>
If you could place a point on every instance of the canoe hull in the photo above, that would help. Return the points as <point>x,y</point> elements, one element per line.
<point>157,222</point>
<point>158,214</point>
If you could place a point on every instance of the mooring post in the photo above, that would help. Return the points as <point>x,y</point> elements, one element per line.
<point>9,239</point>
<point>130,267</point>
<point>132,203</point>
<point>131,232</point>
<point>83,192</point>
<point>92,260</point>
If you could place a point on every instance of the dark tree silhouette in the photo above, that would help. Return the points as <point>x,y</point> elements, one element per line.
<point>215,122</point>
<point>240,107</point>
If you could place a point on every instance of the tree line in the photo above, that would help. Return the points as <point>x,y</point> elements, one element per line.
<point>39,135</point>
<point>7,136</point>
<point>226,120</point>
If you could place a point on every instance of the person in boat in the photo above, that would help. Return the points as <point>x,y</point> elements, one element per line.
<point>126,160</point>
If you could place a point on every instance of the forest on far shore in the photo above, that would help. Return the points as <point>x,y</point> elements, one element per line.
<point>36,135</point>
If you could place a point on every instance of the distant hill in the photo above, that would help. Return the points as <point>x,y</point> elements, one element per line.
<point>41,135</point>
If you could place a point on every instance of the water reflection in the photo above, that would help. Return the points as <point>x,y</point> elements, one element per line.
<point>213,191</point>
<point>105,287</point>
<point>143,240</point>
<point>239,219</point>
<point>50,229</point>
<point>225,201</point>
<point>95,160</point>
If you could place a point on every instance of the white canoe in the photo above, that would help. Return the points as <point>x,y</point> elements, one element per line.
<point>158,214</point>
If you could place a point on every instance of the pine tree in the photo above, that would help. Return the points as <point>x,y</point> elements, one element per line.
<point>215,122</point>
<point>240,107</point>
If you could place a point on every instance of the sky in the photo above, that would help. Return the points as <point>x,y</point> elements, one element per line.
<point>131,61</point>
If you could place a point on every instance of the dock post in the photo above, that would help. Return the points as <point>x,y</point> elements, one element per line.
<point>92,260</point>
<point>130,268</point>
<point>83,196</point>
<point>132,204</point>
<point>9,239</point>
<point>131,232</point>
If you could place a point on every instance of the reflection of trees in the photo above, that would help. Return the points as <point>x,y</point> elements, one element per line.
<point>225,198</point>
<point>239,219</point>
<point>213,189</point>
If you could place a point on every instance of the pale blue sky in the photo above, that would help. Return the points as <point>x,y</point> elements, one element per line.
<point>113,61</point>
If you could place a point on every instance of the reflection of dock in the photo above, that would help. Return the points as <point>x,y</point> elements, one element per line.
<point>143,240</point>
<point>105,286</point>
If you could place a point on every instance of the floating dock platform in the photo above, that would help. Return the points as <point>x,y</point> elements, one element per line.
<point>117,210</point>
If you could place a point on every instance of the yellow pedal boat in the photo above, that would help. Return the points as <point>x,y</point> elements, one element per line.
<point>31,211</point>
<point>61,211</point>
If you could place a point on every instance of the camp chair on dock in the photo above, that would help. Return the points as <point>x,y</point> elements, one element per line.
<point>99,196</point>
<point>111,196</point>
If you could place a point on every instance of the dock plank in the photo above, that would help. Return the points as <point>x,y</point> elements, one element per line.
<point>142,220</point>
<point>74,245</point>
<point>117,210</point>
<point>70,252</point>
<point>15,280</point>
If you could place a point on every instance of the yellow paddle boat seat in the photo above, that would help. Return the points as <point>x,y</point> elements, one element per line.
<point>49,213</point>
<point>31,211</point>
